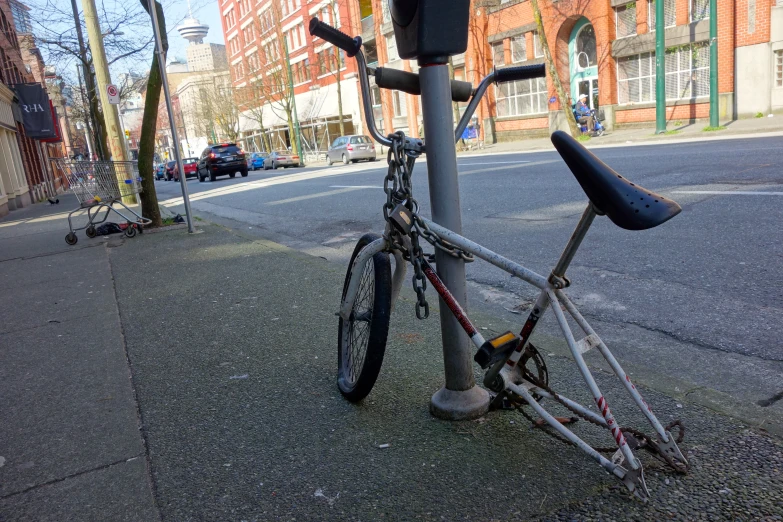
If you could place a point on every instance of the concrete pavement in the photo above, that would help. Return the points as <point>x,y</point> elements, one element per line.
<point>70,447</point>
<point>230,343</point>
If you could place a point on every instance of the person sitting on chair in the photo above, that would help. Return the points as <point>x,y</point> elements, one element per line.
<point>583,114</point>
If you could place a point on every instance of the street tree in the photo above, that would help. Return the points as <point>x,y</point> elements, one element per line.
<point>216,111</point>
<point>332,59</point>
<point>563,96</point>
<point>60,39</point>
<point>149,198</point>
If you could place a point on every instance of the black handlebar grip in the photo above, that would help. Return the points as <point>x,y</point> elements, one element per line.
<point>351,46</point>
<point>522,72</point>
<point>396,79</point>
<point>461,91</point>
<point>405,81</point>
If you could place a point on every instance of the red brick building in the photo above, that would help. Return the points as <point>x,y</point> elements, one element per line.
<point>258,35</point>
<point>605,49</point>
<point>24,176</point>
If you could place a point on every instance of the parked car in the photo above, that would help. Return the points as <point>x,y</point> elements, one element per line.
<point>349,149</point>
<point>160,171</point>
<point>256,160</point>
<point>281,159</point>
<point>190,166</point>
<point>222,159</point>
<point>171,166</point>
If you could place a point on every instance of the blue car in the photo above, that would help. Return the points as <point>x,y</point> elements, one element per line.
<point>160,171</point>
<point>256,160</point>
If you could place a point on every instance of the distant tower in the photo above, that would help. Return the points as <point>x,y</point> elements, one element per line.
<point>192,30</point>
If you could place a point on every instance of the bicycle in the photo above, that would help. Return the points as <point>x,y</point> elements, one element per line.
<point>516,371</point>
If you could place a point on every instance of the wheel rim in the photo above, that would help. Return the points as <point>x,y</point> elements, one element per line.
<point>358,326</point>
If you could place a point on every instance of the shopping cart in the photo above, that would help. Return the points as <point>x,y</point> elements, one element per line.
<point>99,186</point>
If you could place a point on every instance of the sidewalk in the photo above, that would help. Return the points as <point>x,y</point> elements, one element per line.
<point>677,132</point>
<point>70,447</point>
<point>230,342</point>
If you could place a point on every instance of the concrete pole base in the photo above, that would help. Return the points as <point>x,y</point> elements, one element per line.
<point>459,405</point>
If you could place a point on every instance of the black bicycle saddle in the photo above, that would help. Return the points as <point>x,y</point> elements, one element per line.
<point>628,205</point>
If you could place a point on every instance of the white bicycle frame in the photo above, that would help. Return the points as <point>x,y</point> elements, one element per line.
<point>624,463</point>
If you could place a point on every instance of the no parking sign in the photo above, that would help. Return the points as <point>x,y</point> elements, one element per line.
<point>114,94</point>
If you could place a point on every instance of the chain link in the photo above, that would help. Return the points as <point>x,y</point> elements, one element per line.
<point>398,187</point>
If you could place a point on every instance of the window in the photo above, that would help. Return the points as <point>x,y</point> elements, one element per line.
<point>518,49</point>
<point>400,103</point>
<point>231,19</point>
<point>522,97</point>
<point>375,94</point>
<point>249,35</point>
<point>391,48</point>
<point>253,63</point>
<point>779,68</point>
<point>498,54</point>
<point>636,78</point>
<point>21,18</point>
<point>626,20</point>
<point>537,48</point>
<point>700,10</point>
<point>306,71</point>
<point>688,71</point>
<point>669,13</point>
<point>585,48</point>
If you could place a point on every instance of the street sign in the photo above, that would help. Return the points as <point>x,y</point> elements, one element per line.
<point>114,94</point>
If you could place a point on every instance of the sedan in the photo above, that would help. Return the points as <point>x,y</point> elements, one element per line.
<point>171,166</point>
<point>256,160</point>
<point>190,166</point>
<point>281,159</point>
<point>160,171</point>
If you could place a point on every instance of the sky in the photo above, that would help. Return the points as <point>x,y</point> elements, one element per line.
<point>206,11</point>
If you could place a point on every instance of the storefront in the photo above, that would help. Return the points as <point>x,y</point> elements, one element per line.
<point>14,192</point>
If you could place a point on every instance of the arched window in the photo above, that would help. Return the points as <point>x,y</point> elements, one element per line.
<point>585,47</point>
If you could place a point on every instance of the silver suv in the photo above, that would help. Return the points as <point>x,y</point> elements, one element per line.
<point>349,149</point>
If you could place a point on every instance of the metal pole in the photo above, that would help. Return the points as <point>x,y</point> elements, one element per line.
<point>660,67</point>
<point>460,398</point>
<point>162,65</point>
<point>714,109</point>
<point>110,114</point>
<point>297,130</point>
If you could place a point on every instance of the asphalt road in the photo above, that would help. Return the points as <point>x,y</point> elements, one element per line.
<point>696,301</point>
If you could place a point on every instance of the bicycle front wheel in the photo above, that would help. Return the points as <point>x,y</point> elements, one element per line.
<point>362,338</point>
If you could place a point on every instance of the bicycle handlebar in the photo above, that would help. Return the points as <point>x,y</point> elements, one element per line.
<point>351,46</point>
<point>405,81</point>
<point>521,72</point>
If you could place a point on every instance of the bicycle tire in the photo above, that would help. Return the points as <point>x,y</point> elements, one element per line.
<point>366,345</point>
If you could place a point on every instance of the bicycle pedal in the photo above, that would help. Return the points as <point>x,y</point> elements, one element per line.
<point>495,349</point>
<point>402,219</point>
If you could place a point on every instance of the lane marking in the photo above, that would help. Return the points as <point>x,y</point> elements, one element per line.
<point>311,196</point>
<point>490,162</point>
<point>356,186</point>
<point>728,193</point>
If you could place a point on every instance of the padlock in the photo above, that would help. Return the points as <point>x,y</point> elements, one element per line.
<point>402,219</point>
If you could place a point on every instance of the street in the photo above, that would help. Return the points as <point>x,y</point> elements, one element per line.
<point>695,303</point>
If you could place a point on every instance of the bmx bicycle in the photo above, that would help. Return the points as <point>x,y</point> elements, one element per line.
<point>516,372</point>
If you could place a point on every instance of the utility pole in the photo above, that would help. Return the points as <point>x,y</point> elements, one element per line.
<point>297,130</point>
<point>714,109</point>
<point>110,113</point>
<point>183,183</point>
<point>87,81</point>
<point>660,67</point>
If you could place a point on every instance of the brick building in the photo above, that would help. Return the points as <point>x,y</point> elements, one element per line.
<point>258,37</point>
<point>603,48</point>
<point>25,172</point>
